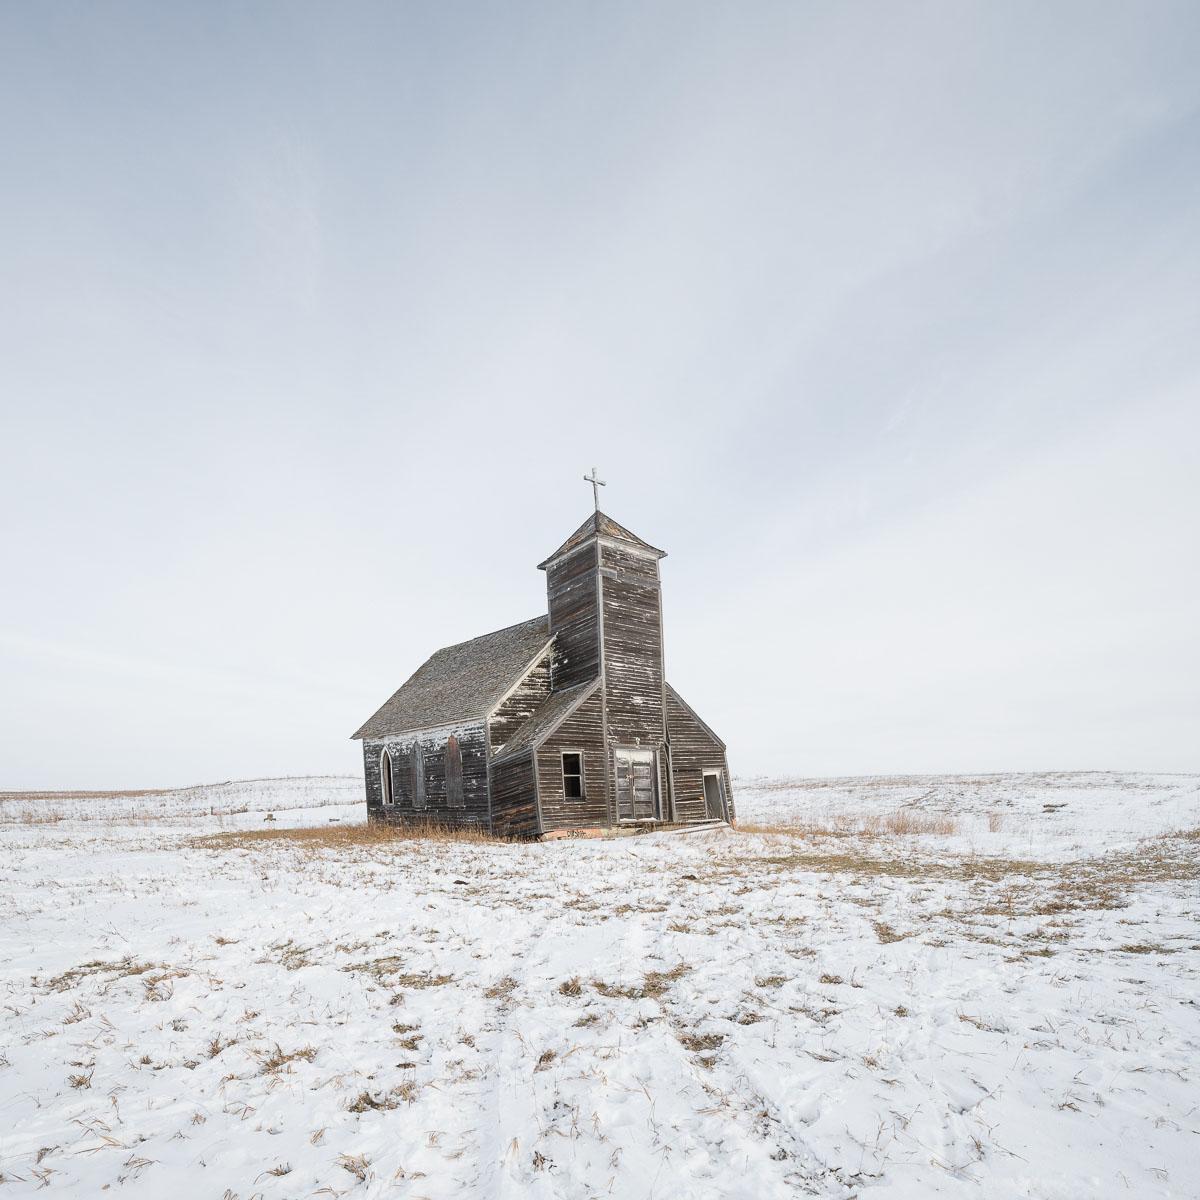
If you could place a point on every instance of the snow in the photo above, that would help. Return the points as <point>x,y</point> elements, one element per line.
<point>879,987</point>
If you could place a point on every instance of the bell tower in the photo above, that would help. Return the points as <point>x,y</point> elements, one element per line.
<point>605,606</point>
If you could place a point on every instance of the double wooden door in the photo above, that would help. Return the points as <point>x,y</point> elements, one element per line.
<point>637,793</point>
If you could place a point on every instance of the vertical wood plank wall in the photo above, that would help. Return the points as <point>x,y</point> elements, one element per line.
<point>633,676</point>
<point>571,593</point>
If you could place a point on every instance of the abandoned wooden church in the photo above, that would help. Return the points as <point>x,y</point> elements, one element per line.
<point>561,726</point>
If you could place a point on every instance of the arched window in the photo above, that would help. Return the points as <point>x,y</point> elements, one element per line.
<point>418,775</point>
<point>454,782</point>
<point>385,778</point>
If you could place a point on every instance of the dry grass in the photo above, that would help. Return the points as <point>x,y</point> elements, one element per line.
<point>901,823</point>
<point>999,886</point>
<point>502,989</point>
<point>390,971</point>
<point>357,1164</point>
<point>770,981</point>
<point>383,1101</point>
<point>347,837</point>
<point>654,985</point>
<point>275,1060</point>
<point>699,1042</point>
<point>155,976</point>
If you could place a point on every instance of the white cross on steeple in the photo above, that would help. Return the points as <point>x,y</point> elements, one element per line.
<point>597,484</point>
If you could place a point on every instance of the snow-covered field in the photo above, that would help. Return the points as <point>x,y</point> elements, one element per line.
<point>891,987</point>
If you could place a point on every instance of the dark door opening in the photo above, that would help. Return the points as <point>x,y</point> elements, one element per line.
<point>714,797</point>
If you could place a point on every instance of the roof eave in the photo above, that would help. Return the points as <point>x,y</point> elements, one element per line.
<point>516,683</point>
<point>605,540</point>
<point>587,691</point>
<point>698,718</point>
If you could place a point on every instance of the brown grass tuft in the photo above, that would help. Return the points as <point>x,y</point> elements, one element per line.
<point>700,1042</point>
<point>277,1059</point>
<point>357,1164</point>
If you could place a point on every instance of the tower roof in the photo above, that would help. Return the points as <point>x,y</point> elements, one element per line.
<point>600,525</point>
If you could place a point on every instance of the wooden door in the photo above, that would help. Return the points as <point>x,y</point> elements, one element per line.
<point>714,800</point>
<point>636,793</point>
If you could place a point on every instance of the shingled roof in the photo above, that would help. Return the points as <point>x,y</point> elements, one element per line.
<point>600,525</point>
<point>461,682</point>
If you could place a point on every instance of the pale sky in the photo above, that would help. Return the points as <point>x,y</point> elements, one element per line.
<point>882,319</point>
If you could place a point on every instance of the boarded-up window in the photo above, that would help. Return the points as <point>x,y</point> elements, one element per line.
<point>418,775</point>
<point>572,767</point>
<point>454,780</point>
<point>385,777</point>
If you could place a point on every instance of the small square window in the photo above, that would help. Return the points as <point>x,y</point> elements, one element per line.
<point>572,766</point>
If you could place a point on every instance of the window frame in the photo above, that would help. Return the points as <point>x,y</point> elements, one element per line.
<point>387,781</point>
<point>580,775</point>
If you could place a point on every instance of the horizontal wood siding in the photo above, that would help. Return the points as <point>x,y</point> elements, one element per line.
<point>514,798</point>
<point>633,653</point>
<point>472,744</point>
<point>518,708</point>
<point>583,730</point>
<point>693,751</point>
<point>571,593</point>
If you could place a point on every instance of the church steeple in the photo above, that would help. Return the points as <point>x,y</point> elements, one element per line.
<point>604,601</point>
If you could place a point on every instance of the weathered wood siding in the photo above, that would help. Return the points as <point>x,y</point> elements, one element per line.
<point>572,596</point>
<point>514,797</point>
<point>472,744</point>
<point>519,707</point>
<point>633,650</point>
<point>583,730</point>
<point>693,751</point>
<point>371,756</point>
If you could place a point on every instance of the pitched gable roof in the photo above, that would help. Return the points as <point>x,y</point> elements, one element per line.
<point>600,525</point>
<point>546,718</point>
<point>463,681</point>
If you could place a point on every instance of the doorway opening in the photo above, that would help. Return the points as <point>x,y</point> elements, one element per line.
<point>714,796</point>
